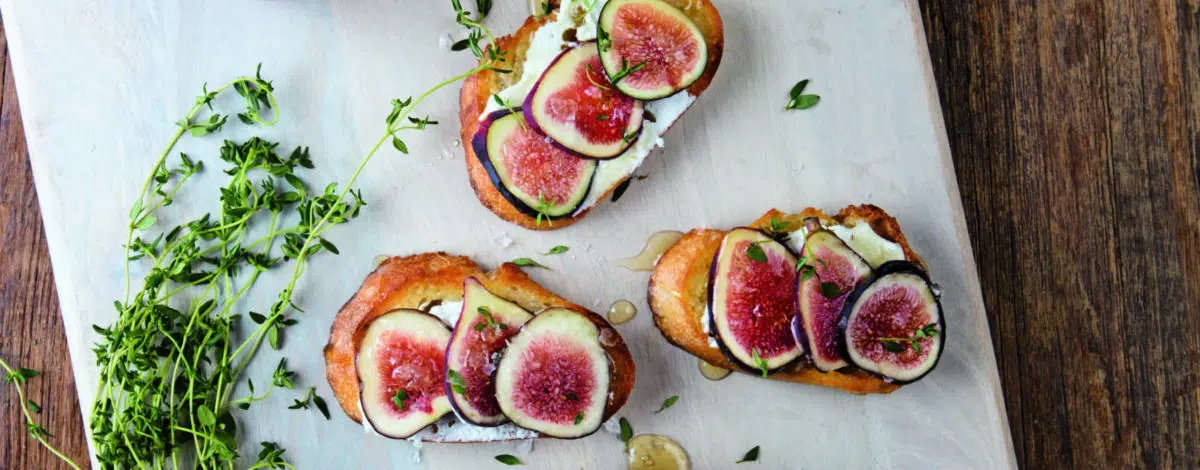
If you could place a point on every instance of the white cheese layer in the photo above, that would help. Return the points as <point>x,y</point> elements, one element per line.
<point>705,321</point>
<point>547,43</point>
<point>875,249</point>
<point>861,238</point>
<point>796,240</point>
<point>453,429</point>
<point>448,311</point>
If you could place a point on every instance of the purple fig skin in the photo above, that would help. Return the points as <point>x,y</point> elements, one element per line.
<point>527,110</point>
<point>712,320</point>
<point>495,374</point>
<point>881,272</point>
<point>800,336</point>
<point>479,145</point>
<point>367,416</point>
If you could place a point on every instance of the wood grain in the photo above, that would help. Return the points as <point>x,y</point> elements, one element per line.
<point>1076,134</point>
<point>1075,127</point>
<point>31,330</point>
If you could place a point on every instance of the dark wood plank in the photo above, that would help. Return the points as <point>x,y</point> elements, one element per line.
<point>1075,127</point>
<point>31,331</point>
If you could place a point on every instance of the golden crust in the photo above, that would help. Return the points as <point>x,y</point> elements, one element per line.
<point>415,281</point>
<point>478,89</point>
<point>679,287</point>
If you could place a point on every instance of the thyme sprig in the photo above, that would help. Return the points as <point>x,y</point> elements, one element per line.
<point>806,269</point>
<point>399,398</point>
<point>626,69</point>
<point>543,210</point>
<point>798,100</point>
<point>512,110</point>
<point>777,229</point>
<point>899,345</point>
<point>557,250</point>
<point>669,402</point>
<point>170,364</point>
<point>457,383</point>
<point>528,263</point>
<point>311,397</point>
<point>751,455</point>
<point>592,71</point>
<point>489,320</point>
<point>760,363</point>
<point>16,377</point>
<point>603,40</point>
<point>755,252</point>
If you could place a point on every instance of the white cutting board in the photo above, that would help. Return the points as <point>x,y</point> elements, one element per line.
<point>100,83</point>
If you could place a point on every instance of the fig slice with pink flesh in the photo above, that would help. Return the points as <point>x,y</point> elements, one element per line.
<point>831,272</point>
<point>575,105</point>
<point>553,378</point>
<point>482,331</point>
<point>751,299</point>
<point>534,175</point>
<point>893,326</point>
<point>401,364</point>
<point>649,48</point>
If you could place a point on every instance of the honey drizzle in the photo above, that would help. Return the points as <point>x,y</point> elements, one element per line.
<point>655,246</point>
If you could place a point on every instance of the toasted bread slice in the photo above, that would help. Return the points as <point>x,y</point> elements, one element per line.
<point>478,89</point>
<point>679,293</point>
<point>418,280</point>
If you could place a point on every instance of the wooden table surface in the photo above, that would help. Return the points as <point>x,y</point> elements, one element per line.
<point>1075,127</point>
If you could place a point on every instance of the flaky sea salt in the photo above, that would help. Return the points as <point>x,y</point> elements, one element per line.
<point>502,240</point>
<point>612,426</point>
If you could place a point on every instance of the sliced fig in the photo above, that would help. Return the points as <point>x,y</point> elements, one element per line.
<point>649,48</point>
<point>554,376</point>
<point>575,104</point>
<point>893,326</point>
<point>401,363</point>
<point>482,331</point>
<point>831,272</point>
<point>537,177</point>
<point>751,295</point>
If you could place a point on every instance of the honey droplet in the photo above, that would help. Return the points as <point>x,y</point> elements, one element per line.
<point>621,312</point>
<point>656,452</point>
<point>655,246</point>
<point>712,372</point>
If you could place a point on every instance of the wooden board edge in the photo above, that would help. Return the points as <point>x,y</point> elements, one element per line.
<point>962,235</point>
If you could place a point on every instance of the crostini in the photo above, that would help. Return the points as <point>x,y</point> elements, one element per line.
<point>839,301</point>
<point>592,87</point>
<point>432,348</point>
